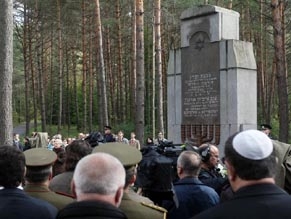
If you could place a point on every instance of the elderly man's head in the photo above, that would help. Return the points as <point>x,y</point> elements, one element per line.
<point>188,164</point>
<point>99,176</point>
<point>210,155</point>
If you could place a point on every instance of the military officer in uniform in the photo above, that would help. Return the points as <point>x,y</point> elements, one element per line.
<point>267,129</point>
<point>132,207</point>
<point>39,163</point>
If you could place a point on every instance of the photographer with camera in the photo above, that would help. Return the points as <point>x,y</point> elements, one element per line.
<point>155,174</point>
<point>160,139</point>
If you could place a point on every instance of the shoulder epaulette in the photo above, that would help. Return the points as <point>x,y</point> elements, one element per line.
<point>163,210</point>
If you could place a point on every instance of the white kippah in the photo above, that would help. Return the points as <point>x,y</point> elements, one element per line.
<point>253,144</point>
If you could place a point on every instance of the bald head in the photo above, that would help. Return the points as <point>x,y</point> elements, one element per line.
<point>188,164</point>
<point>99,175</point>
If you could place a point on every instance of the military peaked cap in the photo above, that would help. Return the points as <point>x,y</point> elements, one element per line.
<point>266,126</point>
<point>126,154</point>
<point>39,157</point>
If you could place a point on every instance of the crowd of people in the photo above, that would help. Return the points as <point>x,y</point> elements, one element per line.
<point>76,180</point>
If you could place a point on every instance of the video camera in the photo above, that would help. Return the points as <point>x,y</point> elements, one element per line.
<point>95,138</point>
<point>168,149</point>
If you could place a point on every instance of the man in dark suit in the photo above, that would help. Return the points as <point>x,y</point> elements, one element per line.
<point>108,136</point>
<point>16,142</point>
<point>193,196</point>
<point>14,203</point>
<point>251,165</point>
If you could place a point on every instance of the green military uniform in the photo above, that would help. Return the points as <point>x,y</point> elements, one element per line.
<point>141,210</point>
<point>42,192</point>
<point>283,168</point>
<point>132,207</point>
<point>39,161</point>
<point>138,198</point>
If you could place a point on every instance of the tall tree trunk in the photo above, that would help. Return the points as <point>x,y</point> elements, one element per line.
<point>76,99</point>
<point>270,91</point>
<point>33,83</point>
<point>68,105</point>
<point>60,54</point>
<point>110,78</point>
<point>282,10</point>
<point>40,54</point>
<point>261,78</point>
<point>6,70</point>
<point>280,71</point>
<point>158,61</point>
<point>133,58</point>
<point>52,77</point>
<point>140,82</point>
<point>84,50</point>
<point>153,79</point>
<point>269,78</point>
<point>26,70</point>
<point>120,93</point>
<point>102,67</point>
<point>230,5</point>
<point>40,71</point>
<point>91,80</point>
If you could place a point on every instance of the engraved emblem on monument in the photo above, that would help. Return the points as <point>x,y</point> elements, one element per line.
<point>200,81</point>
<point>198,40</point>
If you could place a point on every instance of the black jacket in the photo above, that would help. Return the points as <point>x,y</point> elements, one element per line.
<point>266,201</point>
<point>213,179</point>
<point>90,210</point>
<point>15,204</point>
<point>193,197</point>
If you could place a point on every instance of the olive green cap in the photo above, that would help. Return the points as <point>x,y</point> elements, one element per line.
<point>39,157</point>
<point>126,154</point>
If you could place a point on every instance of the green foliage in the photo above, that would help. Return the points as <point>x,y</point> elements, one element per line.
<point>126,127</point>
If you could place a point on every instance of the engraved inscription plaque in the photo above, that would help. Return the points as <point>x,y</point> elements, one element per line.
<point>200,81</point>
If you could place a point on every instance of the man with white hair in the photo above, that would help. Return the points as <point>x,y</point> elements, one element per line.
<point>98,183</point>
<point>251,166</point>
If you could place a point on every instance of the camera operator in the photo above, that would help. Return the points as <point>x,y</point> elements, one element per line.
<point>155,174</point>
<point>161,139</point>
<point>209,173</point>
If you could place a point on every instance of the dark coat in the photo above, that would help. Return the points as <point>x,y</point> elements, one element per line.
<point>42,192</point>
<point>193,197</point>
<point>213,179</point>
<point>15,204</point>
<point>266,201</point>
<point>109,138</point>
<point>59,165</point>
<point>90,210</point>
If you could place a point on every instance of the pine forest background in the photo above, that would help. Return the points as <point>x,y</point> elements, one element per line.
<point>82,64</point>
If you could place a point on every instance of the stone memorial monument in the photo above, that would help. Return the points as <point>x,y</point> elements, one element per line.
<point>212,80</point>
